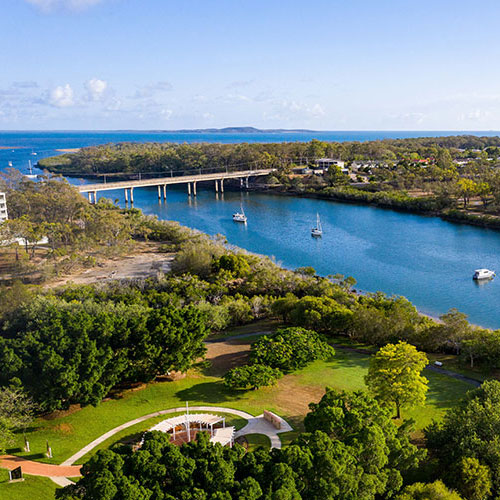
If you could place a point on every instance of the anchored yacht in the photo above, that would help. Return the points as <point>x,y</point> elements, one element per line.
<point>240,216</point>
<point>483,274</point>
<point>318,230</point>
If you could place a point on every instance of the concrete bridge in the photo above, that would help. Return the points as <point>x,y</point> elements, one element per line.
<point>163,182</point>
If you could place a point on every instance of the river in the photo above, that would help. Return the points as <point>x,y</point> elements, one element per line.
<point>426,259</point>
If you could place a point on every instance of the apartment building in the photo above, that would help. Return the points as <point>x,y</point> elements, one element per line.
<point>3,207</point>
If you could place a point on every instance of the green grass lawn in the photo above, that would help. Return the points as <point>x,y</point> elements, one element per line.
<point>289,398</point>
<point>256,441</point>
<point>32,488</point>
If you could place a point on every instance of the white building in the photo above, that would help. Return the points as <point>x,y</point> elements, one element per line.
<point>324,163</point>
<point>3,207</point>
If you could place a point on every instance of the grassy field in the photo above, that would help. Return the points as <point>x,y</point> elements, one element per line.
<point>32,488</point>
<point>256,441</point>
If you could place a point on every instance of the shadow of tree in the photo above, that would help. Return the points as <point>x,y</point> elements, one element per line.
<point>220,365</point>
<point>208,392</point>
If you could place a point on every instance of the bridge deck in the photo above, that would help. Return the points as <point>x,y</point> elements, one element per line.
<point>161,181</point>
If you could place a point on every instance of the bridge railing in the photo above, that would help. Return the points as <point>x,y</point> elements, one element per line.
<point>167,172</point>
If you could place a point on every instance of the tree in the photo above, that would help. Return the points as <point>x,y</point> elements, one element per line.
<point>290,349</point>
<point>454,329</point>
<point>471,429</point>
<point>475,479</point>
<point>428,491</point>
<point>321,313</point>
<point>394,376</point>
<point>359,421</point>
<point>467,188</point>
<point>237,264</point>
<point>17,411</point>
<point>251,377</point>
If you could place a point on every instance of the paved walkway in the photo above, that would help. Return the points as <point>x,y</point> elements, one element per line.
<point>259,425</point>
<point>37,468</point>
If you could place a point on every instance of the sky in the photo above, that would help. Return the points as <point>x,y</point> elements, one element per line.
<point>316,64</point>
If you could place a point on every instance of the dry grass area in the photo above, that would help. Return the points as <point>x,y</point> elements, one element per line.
<point>290,392</point>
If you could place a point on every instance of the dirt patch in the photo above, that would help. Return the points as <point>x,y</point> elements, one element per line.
<point>64,428</point>
<point>226,355</point>
<point>294,398</point>
<point>146,262</point>
<point>62,413</point>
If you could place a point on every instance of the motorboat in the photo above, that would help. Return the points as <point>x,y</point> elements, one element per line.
<point>240,216</point>
<point>318,230</point>
<point>483,274</point>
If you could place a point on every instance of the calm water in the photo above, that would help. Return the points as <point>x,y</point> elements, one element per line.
<point>428,260</point>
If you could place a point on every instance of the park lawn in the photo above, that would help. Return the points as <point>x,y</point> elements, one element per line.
<point>256,441</point>
<point>347,372</point>
<point>289,398</point>
<point>32,488</point>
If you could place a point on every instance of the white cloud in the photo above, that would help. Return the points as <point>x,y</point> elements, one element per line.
<point>152,89</point>
<point>62,96</point>
<point>95,89</point>
<point>166,113</point>
<point>49,5</point>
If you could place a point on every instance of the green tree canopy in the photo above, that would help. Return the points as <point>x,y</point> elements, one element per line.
<point>290,349</point>
<point>394,376</point>
<point>470,430</point>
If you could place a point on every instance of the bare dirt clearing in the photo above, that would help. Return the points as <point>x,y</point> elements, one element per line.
<point>146,262</point>
<point>226,355</point>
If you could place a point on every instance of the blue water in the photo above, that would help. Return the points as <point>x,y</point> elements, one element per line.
<point>428,260</point>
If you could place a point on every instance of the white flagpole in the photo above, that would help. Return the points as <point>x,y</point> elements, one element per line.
<point>187,423</point>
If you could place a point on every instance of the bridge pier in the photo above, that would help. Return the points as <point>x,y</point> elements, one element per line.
<point>222,185</point>
<point>246,183</point>
<point>159,192</point>
<point>189,189</point>
<point>132,195</point>
<point>241,182</point>
<point>194,188</point>
<point>216,186</point>
<point>165,192</point>
<point>90,196</point>
<point>126,195</point>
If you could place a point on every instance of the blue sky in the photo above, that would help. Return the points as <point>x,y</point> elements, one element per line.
<point>320,64</point>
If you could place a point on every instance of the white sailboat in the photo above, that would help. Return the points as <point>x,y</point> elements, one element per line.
<point>10,164</point>
<point>240,216</point>
<point>318,230</point>
<point>31,175</point>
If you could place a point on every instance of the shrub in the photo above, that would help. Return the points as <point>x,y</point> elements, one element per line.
<point>290,349</point>
<point>251,377</point>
